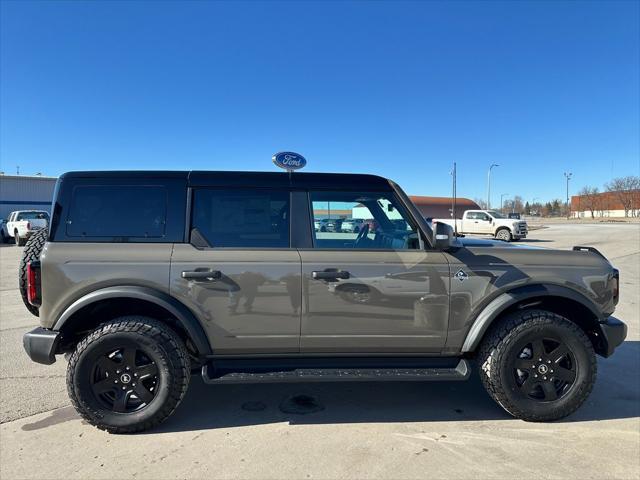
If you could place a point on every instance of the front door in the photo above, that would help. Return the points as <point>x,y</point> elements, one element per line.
<point>374,291</point>
<point>239,274</point>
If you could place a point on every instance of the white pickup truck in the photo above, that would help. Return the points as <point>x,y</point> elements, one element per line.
<point>488,222</point>
<point>22,223</point>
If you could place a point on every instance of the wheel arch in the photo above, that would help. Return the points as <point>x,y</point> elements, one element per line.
<point>555,298</point>
<point>110,302</point>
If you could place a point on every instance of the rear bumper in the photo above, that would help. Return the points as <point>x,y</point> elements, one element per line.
<point>614,332</point>
<point>41,344</point>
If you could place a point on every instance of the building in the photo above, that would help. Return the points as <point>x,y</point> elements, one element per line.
<point>440,207</point>
<point>606,204</point>
<point>23,192</point>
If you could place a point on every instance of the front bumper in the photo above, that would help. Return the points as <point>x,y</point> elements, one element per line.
<point>614,332</point>
<point>41,345</point>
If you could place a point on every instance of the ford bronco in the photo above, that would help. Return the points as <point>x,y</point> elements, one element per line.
<point>143,278</point>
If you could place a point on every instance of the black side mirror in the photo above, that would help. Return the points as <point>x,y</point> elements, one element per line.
<point>444,237</point>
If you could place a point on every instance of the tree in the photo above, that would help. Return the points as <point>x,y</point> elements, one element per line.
<point>627,191</point>
<point>589,199</point>
<point>517,204</point>
<point>527,209</point>
<point>481,203</point>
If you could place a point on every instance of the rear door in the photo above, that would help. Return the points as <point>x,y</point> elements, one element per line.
<point>374,291</point>
<point>238,273</point>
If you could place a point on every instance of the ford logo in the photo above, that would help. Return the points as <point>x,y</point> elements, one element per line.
<point>289,160</point>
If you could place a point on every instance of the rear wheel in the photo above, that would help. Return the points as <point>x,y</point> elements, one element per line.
<point>128,375</point>
<point>31,253</point>
<point>537,365</point>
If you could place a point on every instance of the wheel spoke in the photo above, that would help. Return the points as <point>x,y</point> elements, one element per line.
<point>538,348</point>
<point>528,384</point>
<point>129,356</point>
<point>103,386</point>
<point>564,374</point>
<point>143,394</point>
<point>120,403</point>
<point>146,370</point>
<point>549,391</point>
<point>524,364</point>
<point>559,353</point>
<point>107,365</point>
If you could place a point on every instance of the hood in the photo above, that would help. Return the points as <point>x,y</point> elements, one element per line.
<point>479,242</point>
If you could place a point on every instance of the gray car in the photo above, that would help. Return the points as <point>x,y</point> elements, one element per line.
<point>145,277</point>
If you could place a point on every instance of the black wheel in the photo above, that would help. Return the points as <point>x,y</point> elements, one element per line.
<point>358,294</point>
<point>537,365</point>
<point>129,375</point>
<point>31,252</point>
<point>504,234</point>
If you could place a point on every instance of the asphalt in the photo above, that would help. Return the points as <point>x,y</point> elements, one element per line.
<point>368,430</point>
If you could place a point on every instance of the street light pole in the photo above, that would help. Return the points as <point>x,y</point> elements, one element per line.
<point>489,184</point>
<point>568,176</point>
<point>502,195</point>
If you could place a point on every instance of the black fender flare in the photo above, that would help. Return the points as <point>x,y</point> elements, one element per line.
<point>507,299</point>
<point>183,315</point>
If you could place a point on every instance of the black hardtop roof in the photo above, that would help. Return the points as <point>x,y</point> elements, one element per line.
<point>195,178</point>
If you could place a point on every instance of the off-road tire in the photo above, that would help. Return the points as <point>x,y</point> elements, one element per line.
<point>504,234</point>
<point>170,357</point>
<point>502,341</point>
<point>31,252</point>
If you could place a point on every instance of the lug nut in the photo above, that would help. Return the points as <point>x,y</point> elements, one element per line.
<point>115,381</point>
<point>535,376</point>
<point>551,371</point>
<point>133,384</point>
<point>117,371</point>
<point>135,374</point>
<point>124,388</point>
<point>548,361</point>
<point>128,367</point>
<point>544,378</point>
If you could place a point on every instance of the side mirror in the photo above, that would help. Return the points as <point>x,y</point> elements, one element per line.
<point>444,237</point>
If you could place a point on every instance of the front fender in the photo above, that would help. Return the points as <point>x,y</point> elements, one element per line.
<point>500,304</point>
<point>184,316</point>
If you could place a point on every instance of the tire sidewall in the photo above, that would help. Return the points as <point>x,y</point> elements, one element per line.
<point>502,231</point>
<point>84,368</point>
<point>583,368</point>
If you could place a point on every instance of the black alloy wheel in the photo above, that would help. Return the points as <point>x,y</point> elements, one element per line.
<point>125,380</point>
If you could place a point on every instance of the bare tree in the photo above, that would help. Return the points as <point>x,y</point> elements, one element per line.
<point>590,199</point>
<point>627,191</point>
<point>481,203</point>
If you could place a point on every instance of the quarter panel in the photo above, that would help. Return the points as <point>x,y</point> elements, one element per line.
<point>71,270</point>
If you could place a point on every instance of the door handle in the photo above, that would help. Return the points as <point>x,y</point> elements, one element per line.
<point>330,275</point>
<point>208,275</point>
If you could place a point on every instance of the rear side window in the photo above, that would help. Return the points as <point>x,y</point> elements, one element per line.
<point>241,218</point>
<point>138,211</point>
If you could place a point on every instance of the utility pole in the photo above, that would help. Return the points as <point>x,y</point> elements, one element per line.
<point>502,195</point>
<point>489,184</point>
<point>568,176</point>
<point>454,199</point>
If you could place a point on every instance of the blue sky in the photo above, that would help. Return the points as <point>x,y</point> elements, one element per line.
<point>397,89</point>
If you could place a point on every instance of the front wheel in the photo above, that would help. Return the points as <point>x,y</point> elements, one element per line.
<point>128,375</point>
<point>537,365</point>
<point>504,234</point>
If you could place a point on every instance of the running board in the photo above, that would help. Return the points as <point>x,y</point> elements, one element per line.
<point>459,372</point>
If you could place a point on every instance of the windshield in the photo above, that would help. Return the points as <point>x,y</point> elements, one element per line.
<point>495,214</point>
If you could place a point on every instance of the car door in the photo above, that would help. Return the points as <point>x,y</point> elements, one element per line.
<point>238,273</point>
<point>479,222</point>
<point>374,291</point>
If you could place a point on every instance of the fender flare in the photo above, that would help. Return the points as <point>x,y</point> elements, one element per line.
<point>499,304</point>
<point>183,315</point>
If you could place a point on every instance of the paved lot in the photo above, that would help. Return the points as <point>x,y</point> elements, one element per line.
<point>375,430</point>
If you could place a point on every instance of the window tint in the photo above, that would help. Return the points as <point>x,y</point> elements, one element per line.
<point>32,215</point>
<point>361,220</point>
<point>117,211</point>
<point>242,217</point>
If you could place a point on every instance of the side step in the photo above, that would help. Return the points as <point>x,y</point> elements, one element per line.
<point>459,372</point>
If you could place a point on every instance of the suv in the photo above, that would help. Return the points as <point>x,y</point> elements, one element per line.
<point>146,277</point>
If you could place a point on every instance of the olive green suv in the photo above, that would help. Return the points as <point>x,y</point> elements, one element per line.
<point>143,278</point>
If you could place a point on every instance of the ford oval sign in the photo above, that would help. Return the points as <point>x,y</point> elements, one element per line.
<point>289,160</point>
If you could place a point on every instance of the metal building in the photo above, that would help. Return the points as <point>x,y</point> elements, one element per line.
<point>23,192</point>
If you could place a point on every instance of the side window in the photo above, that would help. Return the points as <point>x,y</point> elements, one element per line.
<point>125,211</point>
<point>472,215</point>
<point>361,220</point>
<point>241,218</point>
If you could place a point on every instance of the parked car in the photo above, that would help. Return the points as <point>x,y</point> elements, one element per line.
<point>514,215</point>
<point>144,278</point>
<point>488,222</point>
<point>352,225</point>
<point>330,225</point>
<point>22,223</point>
